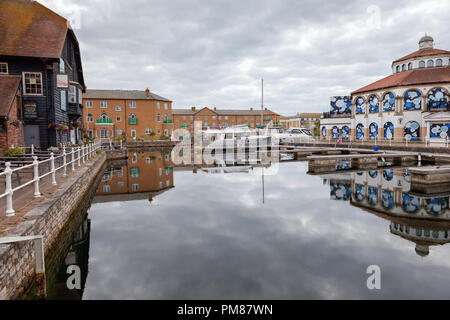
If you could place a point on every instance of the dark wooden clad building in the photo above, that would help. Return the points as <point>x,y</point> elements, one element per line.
<point>40,46</point>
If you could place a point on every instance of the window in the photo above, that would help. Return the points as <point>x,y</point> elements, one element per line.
<point>166,132</point>
<point>421,64</point>
<point>135,187</point>
<point>409,66</point>
<point>158,105</point>
<point>134,159</point>
<point>184,117</point>
<point>106,189</point>
<point>103,133</point>
<point>205,117</point>
<point>167,183</point>
<point>430,63</point>
<point>89,104</point>
<point>72,94</point>
<point>214,117</point>
<point>165,106</point>
<point>220,117</point>
<point>120,172</point>
<point>148,160</point>
<point>133,133</point>
<point>120,184</point>
<point>159,117</point>
<point>160,172</point>
<point>148,131</point>
<point>226,117</point>
<point>118,108</point>
<point>104,116</point>
<point>3,68</point>
<point>166,117</point>
<point>245,118</point>
<point>118,119</point>
<point>119,132</point>
<point>103,104</point>
<point>134,172</point>
<point>403,67</point>
<point>89,118</point>
<point>439,63</point>
<point>80,96</point>
<point>32,83</point>
<point>397,69</point>
<point>132,104</point>
<point>63,100</point>
<point>62,68</point>
<point>160,184</point>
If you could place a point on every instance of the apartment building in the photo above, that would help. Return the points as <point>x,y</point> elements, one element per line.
<point>129,114</point>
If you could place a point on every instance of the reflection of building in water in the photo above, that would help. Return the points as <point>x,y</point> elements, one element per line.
<point>424,220</point>
<point>143,172</point>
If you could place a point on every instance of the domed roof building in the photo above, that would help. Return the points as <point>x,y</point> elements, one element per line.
<point>410,104</point>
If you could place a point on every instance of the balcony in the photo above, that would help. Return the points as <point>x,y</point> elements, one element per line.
<point>132,121</point>
<point>103,121</point>
<point>167,121</point>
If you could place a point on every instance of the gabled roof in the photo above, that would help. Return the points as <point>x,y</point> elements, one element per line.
<point>29,29</point>
<point>422,53</point>
<point>408,78</point>
<point>122,95</point>
<point>228,112</point>
<point>8,89</point>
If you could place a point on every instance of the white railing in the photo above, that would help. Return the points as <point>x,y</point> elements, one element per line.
<point>76,156</point>
<point>380,141</point>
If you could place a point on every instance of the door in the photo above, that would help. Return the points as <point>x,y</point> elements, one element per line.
<point>31,135</point>
<point>73,136</point>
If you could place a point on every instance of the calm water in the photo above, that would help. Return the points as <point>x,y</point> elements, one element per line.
<point>159,232</point>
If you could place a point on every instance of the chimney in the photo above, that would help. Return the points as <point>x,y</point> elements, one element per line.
<point>193,108</point>
<point>147,93</point>
<point>265,109</point>
<point>215,109</point>
<point>251,108</point>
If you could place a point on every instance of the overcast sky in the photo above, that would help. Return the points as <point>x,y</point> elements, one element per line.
<point>214,53</point>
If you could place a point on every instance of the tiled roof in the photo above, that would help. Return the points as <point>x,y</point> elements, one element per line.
<point>228,112</point>
<point>122,95</point>
<point>423,53</point>
<point>408,78</point>
<point>8,89</point>
<point>303,115</point>
<point>29,29</point>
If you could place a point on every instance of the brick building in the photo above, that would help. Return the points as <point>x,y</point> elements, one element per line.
<point>221,118</point>
<point>39,46</point>
<point>301,120</point>
<point>131,114</point>
<point>11,127</point>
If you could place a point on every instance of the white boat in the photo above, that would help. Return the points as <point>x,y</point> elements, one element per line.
<point>295,135</point>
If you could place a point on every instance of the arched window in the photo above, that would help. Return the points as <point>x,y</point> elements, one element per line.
<point>360,106</point>
<point>359,131</point>
<point>335,132</point>
<point>324,132</point>
<point>430,63</point>
<point>439,63</point>
<point>345,132</point>
<point>388,102</point>
<point>421,64</point>
<point>412,100</point>
<point>388,131</point>
<point>133,116</point>
<point>374,104</point>
<point>409,66</point>
<point>397,69</point>
<point>90,118</point>
<point>403,67</point>
<point>412,131</point>
<point>104,116</point>
<point>373,131</point>
<point>387,199</point>
<point>437,99</point>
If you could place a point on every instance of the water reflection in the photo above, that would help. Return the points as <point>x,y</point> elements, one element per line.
<point>206,234</point>
<point>423,220</point>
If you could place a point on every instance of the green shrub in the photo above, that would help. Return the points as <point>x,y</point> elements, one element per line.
<point>12,152</point>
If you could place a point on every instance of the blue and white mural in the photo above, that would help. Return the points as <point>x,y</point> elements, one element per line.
<point>335,132</point>
<point>412,100</point>
<point>372,195</point>
<point>359,131</point>
<point>341,105</point>
<point>360,106</point>
<point>374,104</point>
<point>343,164</point>
<point>373,173</point>
<point>407,177</point>
<point>388,131</point>
<point>436,206</point>
<point>345,132</point>
<point>388,174</point>
<point>410,204</point>
<point>437,99</point>
<point>340,191</point>
<point>388,102</point>
<point>373,130</point>
<point>412,131</point>
<point>387,199</point>
<point>360,192</point>
<point>440,130</point>
<point>324,132</point>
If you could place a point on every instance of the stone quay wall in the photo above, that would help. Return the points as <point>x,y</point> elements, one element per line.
<point>48,218</point>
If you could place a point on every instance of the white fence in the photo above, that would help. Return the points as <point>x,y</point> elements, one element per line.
<point>77,155</point>
<point>377,141</point>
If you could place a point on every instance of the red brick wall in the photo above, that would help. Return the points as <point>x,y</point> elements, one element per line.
<point>13,135</point>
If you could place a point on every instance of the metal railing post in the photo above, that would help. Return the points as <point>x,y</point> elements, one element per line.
<point>52,168</point>
<point>37,194</point>
<point>73,158</point>
<point>64,162</point>
<point>83,154</point>
<point>32,149</point>
<point>79,156</point>
<point>9,205</point>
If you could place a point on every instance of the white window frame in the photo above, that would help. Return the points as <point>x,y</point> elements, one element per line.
<point>148,130</point>
<point>118,132</point>
<point>7,70</point>
<point>118,119</point>
<point>158,105</point>
<point>25,93</point>
<point>135,186</point>
<point>63,96</point>
<point>132,104</point>
<point>89,118</point>
<point>103,104</point>
<point>89,104</point>
<point>133,133</point>
<point>106,188</point>
<point>166,106</point>
<point>118,108</point>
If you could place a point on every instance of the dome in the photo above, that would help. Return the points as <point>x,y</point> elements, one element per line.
<point>422,250</point>
<point>426,38</point>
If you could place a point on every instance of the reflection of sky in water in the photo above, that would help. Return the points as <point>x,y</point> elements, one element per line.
<point>210,237</point>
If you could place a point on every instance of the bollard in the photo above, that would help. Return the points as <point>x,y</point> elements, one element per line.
<point>52,168</point>
<point>8,189</point>
<point>32,149</point>
<point>37,194</point>
<point>79,156</point>
<point>64,162</point>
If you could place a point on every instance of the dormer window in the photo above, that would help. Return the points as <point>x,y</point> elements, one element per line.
<point>397,69</point>
<point>409,66</point>
<point>3,68</point>
<point>404,67</point>
<point>430,63</point>
<point>421,64</point>
<point>439,63</point>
